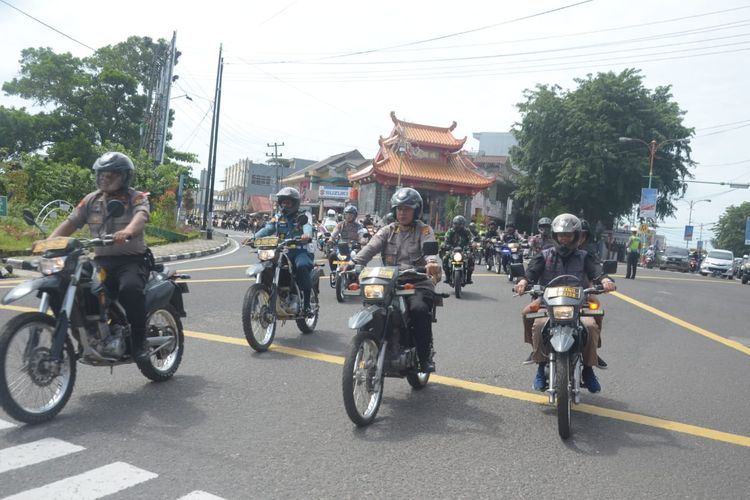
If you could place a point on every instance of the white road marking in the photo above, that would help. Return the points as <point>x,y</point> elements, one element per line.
<point>36,452</point>
<point>236,246</point>
<point>6,425</point>
<point>200,495</point>
<point>90,485</point>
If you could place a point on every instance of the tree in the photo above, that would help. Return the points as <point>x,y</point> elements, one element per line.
<point>730,230</point>
<point>569,152</point>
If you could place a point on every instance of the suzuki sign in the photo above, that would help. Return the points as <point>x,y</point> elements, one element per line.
<point>333,192</point>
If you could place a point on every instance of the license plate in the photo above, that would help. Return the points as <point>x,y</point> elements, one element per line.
<point>269,241</point>
<point>562,291</point>
<point>378,272</point>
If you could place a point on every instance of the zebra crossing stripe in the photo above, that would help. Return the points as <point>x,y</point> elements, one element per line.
<point>200,495</point>
<point>5,425</point>
<point>90,485</point>
<point>36,452</point>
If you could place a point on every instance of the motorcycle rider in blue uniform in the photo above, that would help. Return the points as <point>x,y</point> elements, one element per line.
<point>285,225</point>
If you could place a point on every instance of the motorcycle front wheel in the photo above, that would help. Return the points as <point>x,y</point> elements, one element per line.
<point>340,286</point>
<point>562,393</point>
<point>489,263</point>
<point>163,364</point>
<point>361,389</point>
<point>32,390</point>
<point>418,380</point>
<point>258,321</point>
<point>458,281</point>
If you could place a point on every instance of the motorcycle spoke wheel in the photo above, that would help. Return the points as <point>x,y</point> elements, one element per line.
<point>163,364</point>
<point>563,393</point>
<point>341,283</point>
<point>259,331</point>
<point>32,388</point>
<point>361,390</point>
<point>308,324</point>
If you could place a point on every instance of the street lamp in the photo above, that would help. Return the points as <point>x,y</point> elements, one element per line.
<point>183,95</point>
<point>653,147</point>
<point>691,203</point>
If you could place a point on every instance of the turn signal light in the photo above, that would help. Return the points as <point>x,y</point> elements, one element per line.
<point>594,303</point>
<point>409,286</point>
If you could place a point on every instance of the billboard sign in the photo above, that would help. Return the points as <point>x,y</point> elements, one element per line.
<point>747,231</point>
<point>333,192</point>
<point>688,233</point>
<point>648,203</point>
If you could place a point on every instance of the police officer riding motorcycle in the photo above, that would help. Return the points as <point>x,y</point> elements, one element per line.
<point>489,245</point>
<point>543,239</point>
<point>347,238</point>
<point>457,240</point>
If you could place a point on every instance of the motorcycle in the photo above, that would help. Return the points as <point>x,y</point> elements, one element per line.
<point>384,344</point>
<point>649,261</point>
<point>458,270</point>
<point>340,280</point>
<point>510,254</point>
<point>323,237</point>
<point>564,303</point>
<point>275,295</point>
<point>38,352</point>
<point>744,272</point>
<point>477,251</point>
<point>693,264</point>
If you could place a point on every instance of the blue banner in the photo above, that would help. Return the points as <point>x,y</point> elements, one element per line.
<point>688,233</point>
<point>747,231</point>
<point>648,203</point>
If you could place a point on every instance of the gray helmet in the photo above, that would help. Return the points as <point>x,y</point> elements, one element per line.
<point>566,223</point>
<point>544,221</point>
<point>288,193</point>
<point>351,209</point>
<point>407,197</point>
<point>388,218</point>
<point>115,162</point>
<point>459,221</point>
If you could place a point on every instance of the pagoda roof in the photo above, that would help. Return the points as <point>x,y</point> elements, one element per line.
<point>427,135</point>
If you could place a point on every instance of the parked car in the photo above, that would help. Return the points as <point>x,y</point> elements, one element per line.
<point>677,258</point>
<point>718,263</point>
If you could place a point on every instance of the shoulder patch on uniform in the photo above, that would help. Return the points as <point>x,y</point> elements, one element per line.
<point>140,198</point>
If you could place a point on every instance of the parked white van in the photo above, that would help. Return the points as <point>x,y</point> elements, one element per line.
<point>718,262</point>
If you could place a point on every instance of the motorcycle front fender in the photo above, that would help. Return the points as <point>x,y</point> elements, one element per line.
<point>562,338</point>
<point>23,289</point>
<point>361,318</point>
<point>256,269</point>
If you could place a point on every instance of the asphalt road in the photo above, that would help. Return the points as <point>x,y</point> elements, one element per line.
<point>672,420</point>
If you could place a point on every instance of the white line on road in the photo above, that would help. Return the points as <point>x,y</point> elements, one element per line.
<point>6,425</point>
<point>220,254</point>
<point>36,452</point>
<point>200,495</point>
<point>90,485</point>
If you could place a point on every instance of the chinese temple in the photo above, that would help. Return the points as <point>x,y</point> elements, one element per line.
<point>424,157</point>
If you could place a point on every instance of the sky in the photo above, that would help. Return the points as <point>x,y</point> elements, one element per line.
<point>322,76</point>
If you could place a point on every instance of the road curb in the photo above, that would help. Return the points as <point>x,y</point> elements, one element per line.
<point>192,255</point>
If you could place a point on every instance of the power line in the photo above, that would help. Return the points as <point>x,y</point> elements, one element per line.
<point>48,26</point>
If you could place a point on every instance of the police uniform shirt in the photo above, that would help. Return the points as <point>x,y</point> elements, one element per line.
<point>92,210</point>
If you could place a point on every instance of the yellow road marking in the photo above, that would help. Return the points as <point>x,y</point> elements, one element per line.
<point>218,280</point>
<point>624,416</point>
<point>677,321</point>
<point>196,269</point>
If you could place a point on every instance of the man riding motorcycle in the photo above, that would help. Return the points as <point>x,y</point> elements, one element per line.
<point>543,239</point>
<point>124,262</point>
<point>285,225</point>
<point>491,233</point>
<point>510,235</point>
<point>457,236</point>
<point>474,231</point>
<point>565,258</point>
<point>330,222</point>
<point>401,243</point>
<point>348,231</point>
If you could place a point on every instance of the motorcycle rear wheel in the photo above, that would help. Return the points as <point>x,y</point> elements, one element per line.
<point>164,364</point>
<point>307,325</point>
<point>29,372</point>
<point>255,308</point>
<point>562,393</point>
<point>361,391</point>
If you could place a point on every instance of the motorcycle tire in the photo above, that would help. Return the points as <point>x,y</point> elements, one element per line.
<point>563,393</point>
<point>307,325</point>
<point>458,281</point>
<point>499,267</point>
<point>256,302</point>
<point>340,286</point>
<point>418,380</point>
<point>362,393</point>
<point>63,383</point>
<point>163,365</point>
<point>744,280</point>
<point>490,264</point>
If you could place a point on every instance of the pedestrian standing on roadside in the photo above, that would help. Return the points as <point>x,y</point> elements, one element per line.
<point>634,253</point>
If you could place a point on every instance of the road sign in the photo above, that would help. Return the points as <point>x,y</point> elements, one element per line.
<point>700,244</point>
<point>643,228</point>
<point>688,233</point>
<point>747,231</point>
<point>3,205</point>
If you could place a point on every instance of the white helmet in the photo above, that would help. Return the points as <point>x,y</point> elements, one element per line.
<point>331,213</point>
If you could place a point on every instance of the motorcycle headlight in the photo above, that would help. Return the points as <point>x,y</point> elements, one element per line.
<point>458,257</point>
<point>563,312</point>
<point>266,254</point>
<point>374,291</point>
<point>52,266</point>
<point>341,257</point>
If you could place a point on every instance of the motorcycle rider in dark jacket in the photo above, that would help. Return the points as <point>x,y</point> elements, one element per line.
<point>491,233</point>
<point>457,236</point>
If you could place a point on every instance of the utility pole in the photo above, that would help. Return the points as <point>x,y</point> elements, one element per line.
<point>276,155</point>
<point>211,175</point>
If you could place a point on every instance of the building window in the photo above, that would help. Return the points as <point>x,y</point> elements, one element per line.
<point>260,180</point>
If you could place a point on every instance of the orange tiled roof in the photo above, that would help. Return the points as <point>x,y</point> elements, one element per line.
<point>456,171</point>
<point>427,134</point>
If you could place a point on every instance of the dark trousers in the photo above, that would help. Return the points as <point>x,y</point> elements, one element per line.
<point>126,279</point>
<point>303,264</point>
<point>420,318</point>
<point>633,257</point>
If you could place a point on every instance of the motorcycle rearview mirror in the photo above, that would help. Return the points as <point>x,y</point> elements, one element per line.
<point>609,266</point>
<point>430,248</point>
<point>28,217</point>
<point>516,270</point>
<point>115,208</point>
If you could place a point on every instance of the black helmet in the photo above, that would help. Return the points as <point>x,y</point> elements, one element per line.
<point>585,226</point>
<point>288,193</point>
<point>459,221</point>
<point>492,223</point>
<point>115,162</point>
<point>566,223</point>
<point>351,209</point>
<point>388,218</point>
<point>407,197</point>
<point>510,225</point>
